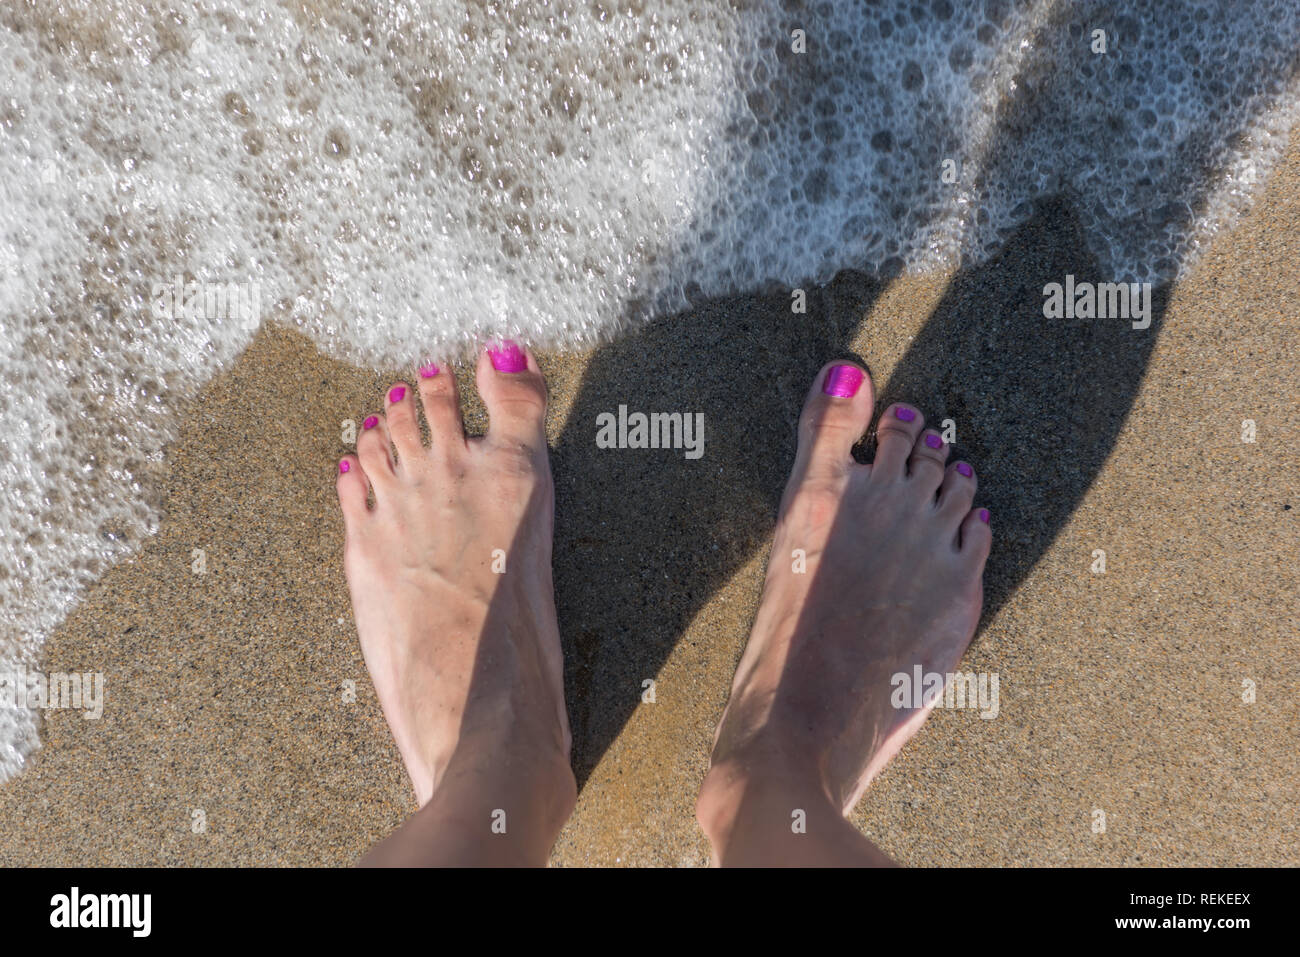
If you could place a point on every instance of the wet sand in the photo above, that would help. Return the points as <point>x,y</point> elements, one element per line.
<point>1122,692</point>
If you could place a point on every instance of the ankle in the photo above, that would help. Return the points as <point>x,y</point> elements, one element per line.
<point>485,814</point>
<point>765,776</point>
<point>511,765</point>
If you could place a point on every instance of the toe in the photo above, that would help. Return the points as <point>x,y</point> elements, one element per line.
<point>925,465</point>
<point>835,415</point>
<point>403,428</point>
<point>958,490</point>
<point>896,437</point>
<point>441,408</point>
<point>352,488</point>
<point>514,393</point>
<point>976,535</point>
<point>373,450</point>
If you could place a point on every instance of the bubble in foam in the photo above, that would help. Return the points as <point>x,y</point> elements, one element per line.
<point>403,180</point>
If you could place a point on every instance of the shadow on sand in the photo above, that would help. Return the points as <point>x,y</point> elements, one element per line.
<point>644,538</point>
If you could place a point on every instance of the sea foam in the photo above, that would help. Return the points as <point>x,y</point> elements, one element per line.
<point>404,180</point>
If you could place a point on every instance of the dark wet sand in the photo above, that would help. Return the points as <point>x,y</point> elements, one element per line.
<point>1120,692</point>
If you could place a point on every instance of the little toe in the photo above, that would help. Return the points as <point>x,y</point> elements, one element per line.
<point>353,488</point>
<point>976,535</point>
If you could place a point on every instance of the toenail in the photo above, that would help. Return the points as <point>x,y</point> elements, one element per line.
<point>965,469</point>
<point>508,357</point>
<point>397,393</point>
<point>371,422</point>
<point>904,414</point>
<point>429,371</point>
<point>345,466</point>
<point>933,441</point>
<point>843,381</point>
<point>984,515</point>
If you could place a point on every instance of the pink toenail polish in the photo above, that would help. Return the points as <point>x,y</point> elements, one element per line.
<point>904,414</point>
<point>934,441</point>
<point>345,466</point>
<point>429,371</point>
<point>397,393</point>
<point>984,515</point>
<point>843,381</point>
<point>508,357</point>
<point>964,469</point>
<point>371,422</point>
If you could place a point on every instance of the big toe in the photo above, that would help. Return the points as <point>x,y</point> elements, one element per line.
<point>514,393</point>
<point>835,416</point>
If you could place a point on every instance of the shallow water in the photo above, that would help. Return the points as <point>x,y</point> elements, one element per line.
<point>403,180</point>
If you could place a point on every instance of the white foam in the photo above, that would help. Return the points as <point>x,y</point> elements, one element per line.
<point>407,179</point>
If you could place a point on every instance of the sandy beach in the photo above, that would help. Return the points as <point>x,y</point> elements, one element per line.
<point>240,727</point>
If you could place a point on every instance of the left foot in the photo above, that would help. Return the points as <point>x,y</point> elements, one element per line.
<point>450,577</point>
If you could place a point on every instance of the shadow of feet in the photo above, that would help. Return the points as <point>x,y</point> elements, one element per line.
<point>645,537</point>
<point>1037,403</point>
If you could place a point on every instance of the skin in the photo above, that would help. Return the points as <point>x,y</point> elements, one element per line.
<point>894,562</point>
<point>450,576</point>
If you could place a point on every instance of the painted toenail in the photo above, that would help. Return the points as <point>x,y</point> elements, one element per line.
<point>371,422</point>
<point>933,441</point>
<point>904,414</point>
<point>397,393</point>
<point>965,469</point>
<point>843,381</point>
<point>345,466</point>
<point>508,357</point>
<point>984,515</point>
<point>429,371</point>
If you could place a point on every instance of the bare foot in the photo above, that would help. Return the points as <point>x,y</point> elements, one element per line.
<point>450,578</point>
<point>892,557</point>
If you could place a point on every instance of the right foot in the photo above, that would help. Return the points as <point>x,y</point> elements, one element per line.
<point>893,556</point>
